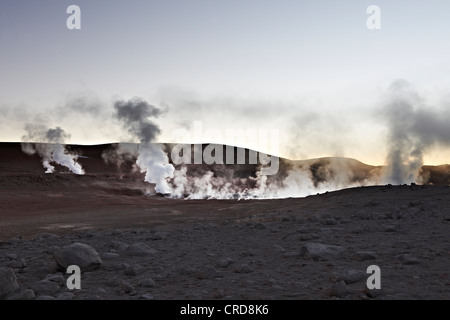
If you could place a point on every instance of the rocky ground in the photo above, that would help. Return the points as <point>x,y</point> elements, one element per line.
<point>313,248</point>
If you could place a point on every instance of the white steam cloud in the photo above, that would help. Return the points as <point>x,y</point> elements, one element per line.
<point>295,179</point>
<point>135,116</point>
<point>414,127</point>
<point>51,148</point>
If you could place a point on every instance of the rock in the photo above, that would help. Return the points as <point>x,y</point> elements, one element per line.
<point>389,229</point>
<point>290,254</point>
<point>243,268</point>
<point>134,270</point>
<point>8,282</point>
<point>109,256</point>
<point>279,248</point>
<point>339,290</point>
<point>428,206</point>
<point>11,256</point>
<point>218,294</point>
<point>373,293</point>
<point>101,291</point>
<point>47,236</point>
<point>127,287</point>
<point>58,278</point>
<point>394,213</point>
<point>211,225</point>
<point>123,265</point>
<point>308,236</point>
<point>116,232</point>
<point>247,253</point>
<point>365,255</point>
<point>45,297</point>
<point>413,204</point>
<point>402,244</point>
<point>158,235</point>
<point>51,249</point>
<point>45,287</point>
<point>65,296</point>
<point>363,215</point>
<point>118,246</point>
<point>260,226</point>
<point>139,250</point>
<point>148,283</point>
<point>26,294</point>
<point>94,297</point>
<point>372,203</point>
<point>412,212</point>
<point>329,222</point>
<point>79,254</point>
<point>15,240</point>
<point>224,262</point>
<point>17,264</point>
<point>313,219</point>
<point>408,259</point>
<point>186,271</point>
<point>326,231</point>
<point>321,251</point>
<point>304,230</point>
<point>146,296</point>
<point>208,272</point>
<point>351,276</point>
<point>23,263</point>
<point>89,234</point>
<point>199,226</point>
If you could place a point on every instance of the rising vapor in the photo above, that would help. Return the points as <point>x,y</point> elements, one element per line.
<point>414,128</point>
<point>50,147</point>
<point>135,116</point>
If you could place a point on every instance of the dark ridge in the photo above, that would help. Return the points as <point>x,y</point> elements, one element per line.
<point>12,159</point>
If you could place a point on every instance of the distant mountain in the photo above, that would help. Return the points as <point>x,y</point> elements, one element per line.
<point>92,158</point>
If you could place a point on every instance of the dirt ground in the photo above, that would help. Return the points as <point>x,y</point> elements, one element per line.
<point>221,249</point>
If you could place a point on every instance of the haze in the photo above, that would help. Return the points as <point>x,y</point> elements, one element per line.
<point>310,69</point>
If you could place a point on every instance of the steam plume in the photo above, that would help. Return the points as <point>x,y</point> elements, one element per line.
<point>52,150</point>
<point>414,128</point>
<point>134,115</point>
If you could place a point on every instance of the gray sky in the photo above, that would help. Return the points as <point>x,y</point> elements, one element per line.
<point>310,69</point>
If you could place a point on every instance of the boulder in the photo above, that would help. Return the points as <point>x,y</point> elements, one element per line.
<point>134,270</point>
<point>408,259</point>
<point>139,250</point>
<point>27,294</point>
<point>79,254</point>
<point>339,290</point>
<point>45,287</point>
<point>319,251</point>
<point>148,283</point>
<point>365,255</point>
<point>351,276</point>
<point>8,282</point>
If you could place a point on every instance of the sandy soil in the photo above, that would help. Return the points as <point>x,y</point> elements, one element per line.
<point>220,249</point>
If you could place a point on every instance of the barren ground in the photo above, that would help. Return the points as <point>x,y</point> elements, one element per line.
<point>222,249</point>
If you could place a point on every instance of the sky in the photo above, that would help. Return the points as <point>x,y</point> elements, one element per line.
<point>310,71</point>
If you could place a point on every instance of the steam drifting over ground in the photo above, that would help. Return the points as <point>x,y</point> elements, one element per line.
<point>51,148</point>
<point>414,127</point>
<point>245,181</point>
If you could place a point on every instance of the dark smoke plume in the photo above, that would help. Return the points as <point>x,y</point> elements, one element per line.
<point>134,115</point>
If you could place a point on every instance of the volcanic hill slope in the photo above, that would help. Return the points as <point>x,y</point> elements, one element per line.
<point>154,247</point>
